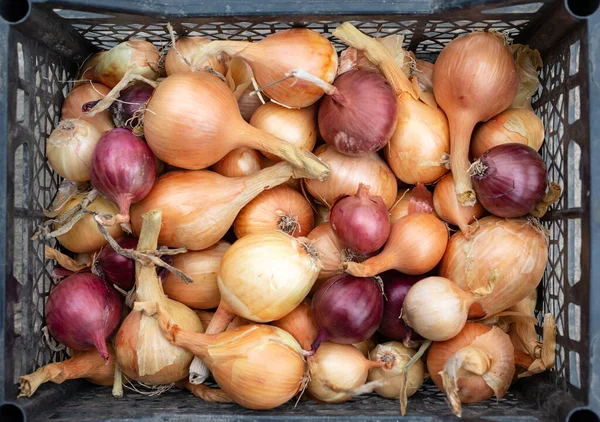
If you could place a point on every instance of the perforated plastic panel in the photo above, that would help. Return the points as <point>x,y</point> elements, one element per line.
<point>42,79</point>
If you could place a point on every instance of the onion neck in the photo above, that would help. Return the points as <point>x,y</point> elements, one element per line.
<point>148,284</point>
<point>306,164</point>
<point>220,320</point>
<point>369,268</point>
<point>100,343</point>
<point>322,336</point>
<point>461,127</point>
<point>264,180</point>
<point>195,343</point>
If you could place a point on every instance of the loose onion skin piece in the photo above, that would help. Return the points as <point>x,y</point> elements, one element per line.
<point>520,125</point>
<point>132,101</point>
<point>277,54</point>
<point>347,310</point>
<point>503,261</point>
<point>474,79</point>
<point>473,366</point>
<point>212,126</point>
<point>395,355</point>
<point>361,221</point>
<point>70,147</point>
<point>416,245</point>
<point>186,47</point>
<point>510,179</point>
<point>139,53</point>
<point>361,115</point>
<point>281,208</point>
<point>418,144</point>
<point>347,173</point>
<point>82,312</point>
<point>192,201</point>
<point>82,94</point>
<point>202,267</point>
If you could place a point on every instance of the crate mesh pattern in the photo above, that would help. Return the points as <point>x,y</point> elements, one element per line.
<point>44,79</point>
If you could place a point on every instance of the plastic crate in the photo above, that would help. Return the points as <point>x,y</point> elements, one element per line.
<point>41,43</point>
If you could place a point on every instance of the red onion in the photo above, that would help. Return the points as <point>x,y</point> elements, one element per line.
<point>361,115</point>
<point>510,179</point>
<point>123,169</point>
<point>395,288</point>
<point>82,312</point>
<point>116,268</point>
<point>131,99</point>
<point>361,221</point>
<point>421,201</point>
<point>347,309</point>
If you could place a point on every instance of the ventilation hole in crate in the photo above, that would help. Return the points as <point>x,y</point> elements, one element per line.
<point>574,190</point>
<point>574,105</point>
<point>574,258</point>
<point>574,322</point>
<point>574,377</point>
<point>79,14</point>
<point>521,8</point>
<point>21,176</point>
<point>20,61</point>
<point>583,8</point>
<point>21,250</point>
<point>21,105</point>
<point>17,319</point>
<point>583,415</point>
<point>574,58</point>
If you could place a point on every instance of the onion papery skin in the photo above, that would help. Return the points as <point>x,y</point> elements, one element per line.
<point>132,101</point>
<point>116,268</point>
<point>113,65</point>
<point>82,94</point>
<point>347,309</point>
<point>240,162</point>
<point>347,173</point>
<point>510,179</point>
<point>82,312</point>
<point>123,168</point>
<point>361,116</point>
<point>187,46</point>
<point>503,261</point>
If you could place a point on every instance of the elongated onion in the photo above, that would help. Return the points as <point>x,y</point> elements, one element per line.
<point>347,173</point>
<point>240,162</point>
<point>186,46</point>
<point>281,208</point>
<point>202,267</point>
<point>85,237</point>
<point>419,143</point>
<point>70,147</point>
<point>140,55</point>
<point>396,356</point>
<point>296,126</point>
<point>200,206</point>
<point>275,56</point>
<point>471,367</point>
<point>503,261</point>
<point>82,94</point>
<point>447,206</point>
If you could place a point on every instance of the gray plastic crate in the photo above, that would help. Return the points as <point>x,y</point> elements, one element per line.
<point>41,43</point>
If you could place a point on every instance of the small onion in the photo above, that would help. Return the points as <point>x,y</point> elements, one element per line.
<point>360,116</point>
<point>447,206</point>
<point>82,94</point>
<point>86,72</point>
<point>361,221</point>
<point>142,55</point>
<point>347,173</point>
<point>395,356</point>
<point>347,310</point>
<point>116,268</point>
<point>299,324</point>
<point>69,149</point>
<point>510,179</point>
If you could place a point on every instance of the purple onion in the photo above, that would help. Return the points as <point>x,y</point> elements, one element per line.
<point>361,116</point>
<point>123,169</point>
<point>395,287</point>
<point>116,268</point>
<point>510,179</point>
<point>82,312</point>
<point>347,309</point>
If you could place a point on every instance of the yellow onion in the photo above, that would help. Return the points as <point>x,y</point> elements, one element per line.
<point>365,346</point>
<point>86,72</point>
<point>142,351</point>
<point>347,173</point>
<point>420,142</point>
<point>520,125</point>
<point>257,366</point>
<point>69,149</point>
<point>400,207</point>
<point>186,47</point>
<point>395,355</point>
<point>202,267</point>
<point>200,206</point>
<point>502,263</point>
<point>239,78</point>
<point>447,207</point>
<point>142,55</point>
<point>471,367</point>
<point>281,208</point>
<point>89,91</point>
<point>299,324</point>
<point>296,126</point>
<point>85,237</point>
<point>336,367</point>
<point>240,162</point>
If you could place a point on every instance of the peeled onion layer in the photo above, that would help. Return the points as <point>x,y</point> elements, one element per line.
<point>200,206</point>
<point>212,126</point>
<point>502,263</point>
